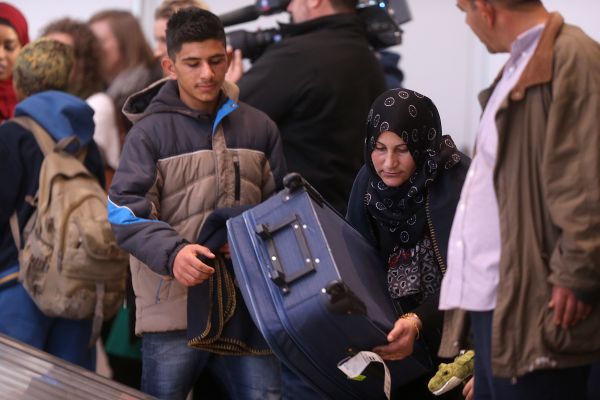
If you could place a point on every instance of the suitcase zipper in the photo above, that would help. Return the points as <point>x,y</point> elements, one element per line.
<point>436,248</point>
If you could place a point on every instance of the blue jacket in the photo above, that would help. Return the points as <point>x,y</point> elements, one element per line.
<point>62,115</point>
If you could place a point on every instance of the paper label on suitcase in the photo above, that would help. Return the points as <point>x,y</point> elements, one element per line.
<point>354,366</point>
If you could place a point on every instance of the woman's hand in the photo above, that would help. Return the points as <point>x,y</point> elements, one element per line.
<point>401,338</point>
<point>468,389</point>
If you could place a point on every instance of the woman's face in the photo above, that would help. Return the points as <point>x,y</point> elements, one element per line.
<point>110,47</point>
<point>392,161</point>
<point>9,50</point>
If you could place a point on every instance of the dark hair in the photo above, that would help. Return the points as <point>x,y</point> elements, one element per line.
<point>514,4</point>
<point>88,56</point>
<point>192,25</point>
<point>343,5</point>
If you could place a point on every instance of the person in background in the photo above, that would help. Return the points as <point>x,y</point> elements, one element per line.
<point>41,77</point>
<point>87,83</point>
<point>403,200</point>
<point>191,142</point>
<point>162,14</point>
<point>318,97</point>
<point>128,62</point>
<point>13,37</point>
<point>524,250</point>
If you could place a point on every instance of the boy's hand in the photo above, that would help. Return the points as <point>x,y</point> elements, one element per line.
<point>188,269</point>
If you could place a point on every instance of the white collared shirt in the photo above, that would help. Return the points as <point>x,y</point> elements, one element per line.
<point>471,279</point>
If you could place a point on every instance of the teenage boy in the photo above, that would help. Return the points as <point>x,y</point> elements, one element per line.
<point>193,149</point>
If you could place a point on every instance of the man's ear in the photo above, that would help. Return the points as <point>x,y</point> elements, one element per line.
<point>168,67</point>
<point>312,4</point>
<point>487,11</point>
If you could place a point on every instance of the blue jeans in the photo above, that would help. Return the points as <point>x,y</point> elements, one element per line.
<point>594,382</point>
<point>548,384</point>
<point>295,388</point>
<point>21,319</point>
<point>170,368</point>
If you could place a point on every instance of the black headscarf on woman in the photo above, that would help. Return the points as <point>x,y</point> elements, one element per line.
<point>400,211</point>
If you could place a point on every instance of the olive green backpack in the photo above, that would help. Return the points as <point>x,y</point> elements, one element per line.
<point>69,263</point>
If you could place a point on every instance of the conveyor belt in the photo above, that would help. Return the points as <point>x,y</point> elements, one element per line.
<point>30,374</point>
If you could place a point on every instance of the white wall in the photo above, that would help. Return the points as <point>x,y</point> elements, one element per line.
<point>440,56</point>
<point>41,12</point>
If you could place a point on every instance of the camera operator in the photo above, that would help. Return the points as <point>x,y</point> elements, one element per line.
<point>317,84</point>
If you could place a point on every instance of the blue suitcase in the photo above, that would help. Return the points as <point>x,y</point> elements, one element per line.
<point>316,290</point>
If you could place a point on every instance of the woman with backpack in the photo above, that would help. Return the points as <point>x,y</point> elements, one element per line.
<point>41,76</point>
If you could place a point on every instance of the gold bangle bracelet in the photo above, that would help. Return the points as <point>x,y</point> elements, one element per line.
<point>412,316</point>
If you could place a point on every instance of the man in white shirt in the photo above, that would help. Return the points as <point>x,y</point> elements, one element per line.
<point>524,250</point>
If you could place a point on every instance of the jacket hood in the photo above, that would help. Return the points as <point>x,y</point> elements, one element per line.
<point>163,96</point>
<point>60,114</point>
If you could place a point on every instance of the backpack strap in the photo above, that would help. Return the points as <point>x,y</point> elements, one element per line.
<point>14,228</point>
<point>45,140</point>
<point>47,145</point>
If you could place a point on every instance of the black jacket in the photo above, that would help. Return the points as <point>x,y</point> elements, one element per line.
<point>442,199</point>
<point>317,84</point>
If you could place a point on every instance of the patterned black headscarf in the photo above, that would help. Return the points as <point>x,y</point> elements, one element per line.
<point>400,211</point>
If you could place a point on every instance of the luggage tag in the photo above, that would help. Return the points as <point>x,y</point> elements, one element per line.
<point>355,365</point>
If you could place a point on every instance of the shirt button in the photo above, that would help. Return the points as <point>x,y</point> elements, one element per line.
<point>462,206</point>
<point>459,243</point>
<point>471,173</point>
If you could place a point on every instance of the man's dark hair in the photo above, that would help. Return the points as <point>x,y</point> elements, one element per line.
<point>343,5</point>
<point>514,4</point>
<point>192,25</point>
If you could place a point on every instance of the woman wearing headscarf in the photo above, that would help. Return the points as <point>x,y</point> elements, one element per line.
<point>403,200</point>
<point>13,36</point>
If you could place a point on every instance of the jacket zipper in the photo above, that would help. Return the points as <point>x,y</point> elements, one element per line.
<point>217,171</point>
<point>436,248</point>
<point>236,168</point>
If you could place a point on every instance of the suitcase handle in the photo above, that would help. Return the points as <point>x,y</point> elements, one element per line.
<point>278,275</point>
<point>294,181</point>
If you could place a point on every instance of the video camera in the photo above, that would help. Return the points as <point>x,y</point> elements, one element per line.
<point>381,18</point>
